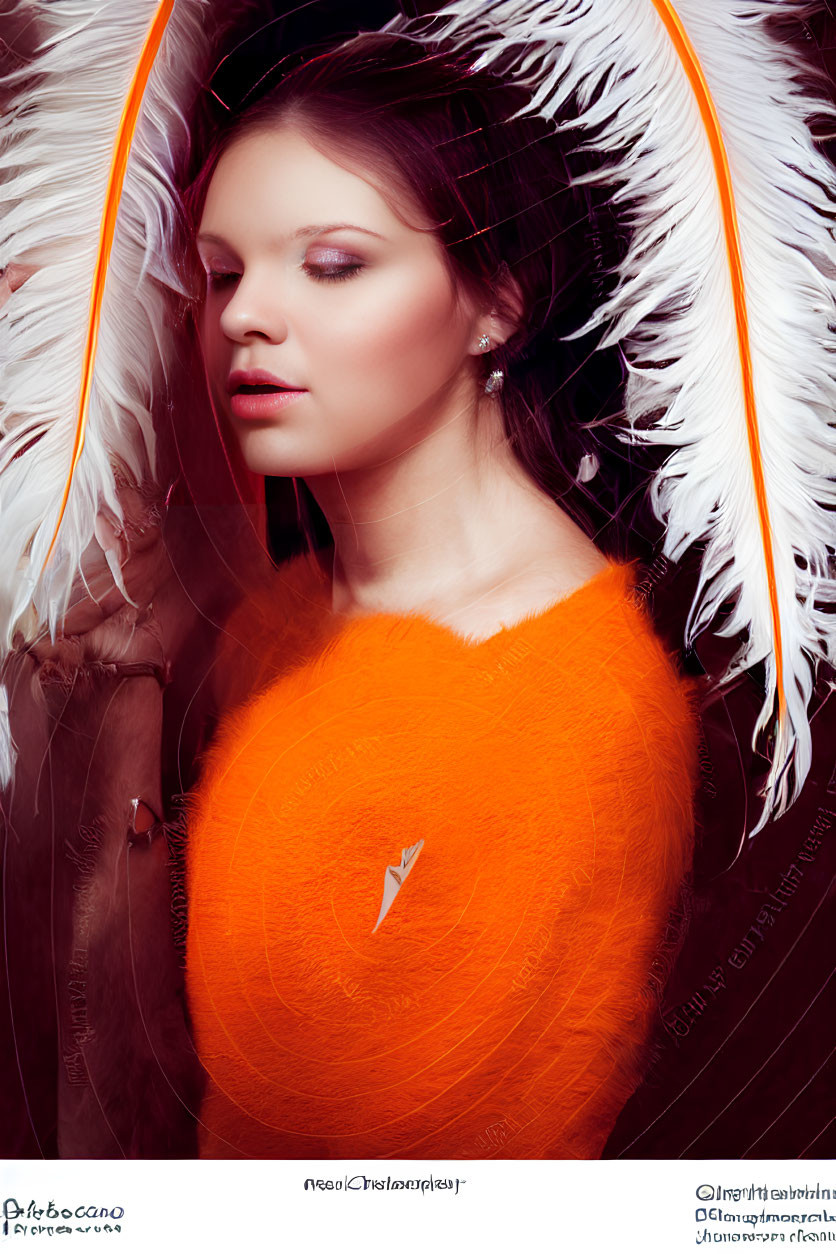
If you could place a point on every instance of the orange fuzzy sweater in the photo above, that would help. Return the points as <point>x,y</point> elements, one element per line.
<point>503,1005</point>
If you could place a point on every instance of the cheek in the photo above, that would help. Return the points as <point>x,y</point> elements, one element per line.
<point>213,345</point>
<point>405,333</point>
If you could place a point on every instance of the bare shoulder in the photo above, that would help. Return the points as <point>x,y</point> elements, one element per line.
<point>561,562</point>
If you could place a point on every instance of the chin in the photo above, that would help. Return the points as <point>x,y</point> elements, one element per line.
<point>286,466</point>
<point>276,468</point>
<point>263,457</point>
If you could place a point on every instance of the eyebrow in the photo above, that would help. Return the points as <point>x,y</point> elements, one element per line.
<point>304,232</point>
<point>326,228</point>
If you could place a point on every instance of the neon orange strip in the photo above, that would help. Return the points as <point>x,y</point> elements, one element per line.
<point>121,152</point>
<point>696,77</point>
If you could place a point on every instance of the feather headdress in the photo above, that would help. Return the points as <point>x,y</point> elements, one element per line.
<point>725,303</point>
<point>87,159</point>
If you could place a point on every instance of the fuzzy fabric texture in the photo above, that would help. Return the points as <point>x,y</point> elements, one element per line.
<point>502,1008</point>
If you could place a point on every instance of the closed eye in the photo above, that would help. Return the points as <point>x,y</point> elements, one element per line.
<point>332,273</point>
<point>221,278</point>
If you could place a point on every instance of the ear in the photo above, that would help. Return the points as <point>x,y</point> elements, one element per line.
<point>506,313</point>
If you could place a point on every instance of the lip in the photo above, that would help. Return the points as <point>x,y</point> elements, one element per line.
<point>255,405</point>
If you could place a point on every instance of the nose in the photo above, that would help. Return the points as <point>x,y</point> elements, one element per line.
<point>254,312</point>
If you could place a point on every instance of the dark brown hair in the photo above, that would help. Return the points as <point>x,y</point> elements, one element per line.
<point>498,191</point>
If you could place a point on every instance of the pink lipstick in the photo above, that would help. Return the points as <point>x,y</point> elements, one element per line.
<point>258,394</point>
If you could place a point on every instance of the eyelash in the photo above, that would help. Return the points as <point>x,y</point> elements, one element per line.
<point>323,274</point>
<point>220,278</point>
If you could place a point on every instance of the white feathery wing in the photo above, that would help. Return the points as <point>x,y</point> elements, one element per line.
<point>87,160</point>
<point>725,303</point>
<point>394,878</point>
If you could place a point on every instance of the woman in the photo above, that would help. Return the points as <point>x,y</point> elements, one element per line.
<point>484,710</point>
<point>428,698</point>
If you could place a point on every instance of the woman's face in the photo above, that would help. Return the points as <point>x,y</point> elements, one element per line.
<point>317,287</point>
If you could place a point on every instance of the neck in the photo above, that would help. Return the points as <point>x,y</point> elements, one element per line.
<point>452,511</point>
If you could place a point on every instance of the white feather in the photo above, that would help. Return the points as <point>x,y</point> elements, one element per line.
<point>56,147</point>
<point>673,312</point>
<point>8,749</point>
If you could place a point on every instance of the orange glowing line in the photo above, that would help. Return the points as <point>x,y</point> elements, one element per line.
<point>696,77</point>
<point>121,152</point>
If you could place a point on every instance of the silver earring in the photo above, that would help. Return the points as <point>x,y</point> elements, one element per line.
<point>484,343</point>
<point>494,381</point>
